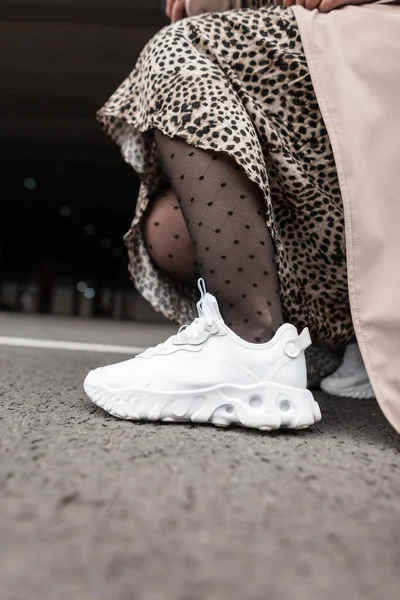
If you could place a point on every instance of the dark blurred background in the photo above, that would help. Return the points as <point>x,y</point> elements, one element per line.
<point>67,197</point>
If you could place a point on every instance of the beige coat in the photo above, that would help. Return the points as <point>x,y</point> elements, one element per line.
<point>354,59</point>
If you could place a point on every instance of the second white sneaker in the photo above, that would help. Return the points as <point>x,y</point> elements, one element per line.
<point>207,374</point>
<point>350,380</point>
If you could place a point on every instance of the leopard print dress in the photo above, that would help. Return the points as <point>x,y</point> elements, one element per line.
<point>238,82</point>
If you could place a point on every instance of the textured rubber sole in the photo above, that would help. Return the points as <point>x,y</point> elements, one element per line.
<point>363,391</point>
<point>264,406</point>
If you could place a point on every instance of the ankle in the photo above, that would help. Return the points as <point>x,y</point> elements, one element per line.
<point>255,331</point>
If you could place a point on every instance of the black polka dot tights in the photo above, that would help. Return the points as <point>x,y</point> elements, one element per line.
<point>224,213</point>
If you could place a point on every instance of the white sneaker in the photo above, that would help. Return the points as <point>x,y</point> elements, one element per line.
<point>350,380</point>
<point>207,374</point>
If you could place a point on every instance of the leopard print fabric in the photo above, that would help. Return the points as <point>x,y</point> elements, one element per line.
<point>238,82</point>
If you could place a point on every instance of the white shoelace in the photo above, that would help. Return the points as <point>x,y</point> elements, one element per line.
<point>186,333</point>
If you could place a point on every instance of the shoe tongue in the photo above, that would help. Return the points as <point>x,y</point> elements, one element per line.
<point>210,307</point>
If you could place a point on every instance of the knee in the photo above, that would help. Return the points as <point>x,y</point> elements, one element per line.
<point>164,227</point>
<point>167,238</point>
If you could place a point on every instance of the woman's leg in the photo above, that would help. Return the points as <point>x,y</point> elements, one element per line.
<point>225,215</point>
<point>205,373</point>
<point>167,239</point>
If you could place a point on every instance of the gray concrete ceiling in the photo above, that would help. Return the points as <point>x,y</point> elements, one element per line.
<point>61,59</point>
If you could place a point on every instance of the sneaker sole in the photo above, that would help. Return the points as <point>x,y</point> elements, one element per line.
<point>363,391</point>
<point>265,406</point>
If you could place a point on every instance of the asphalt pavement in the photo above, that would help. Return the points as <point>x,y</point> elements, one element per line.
<point>92,508</point>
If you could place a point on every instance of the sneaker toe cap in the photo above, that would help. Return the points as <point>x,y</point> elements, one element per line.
<point>116,377</point>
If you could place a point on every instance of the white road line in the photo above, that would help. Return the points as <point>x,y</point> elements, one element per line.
<point>63,345</point>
